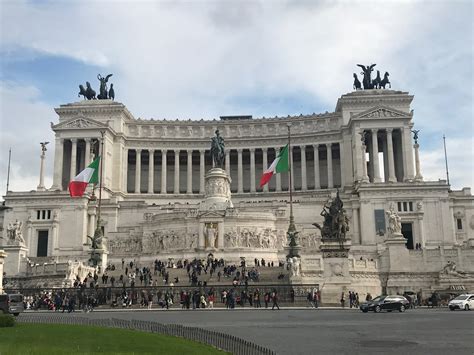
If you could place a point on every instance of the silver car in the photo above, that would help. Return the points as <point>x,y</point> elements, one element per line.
<point>12,304</point>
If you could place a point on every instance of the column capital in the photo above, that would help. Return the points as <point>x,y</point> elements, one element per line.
<point>303,147</point>
<point>164,151</point>
<point>151,151</point>
<point>73,140</point>
<point>374,130</point>
<point>328,145</point>
<point>138,150</point>
<point>315,146</point>
<point>264,150</point>
<point>389,130</point>
<point>88,139</point>
<point>202,151</point>
<point>239,150</point>
<point>252,150</point>
<point>189,151</point>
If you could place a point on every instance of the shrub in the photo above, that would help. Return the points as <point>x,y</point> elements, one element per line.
<point>6,320</point>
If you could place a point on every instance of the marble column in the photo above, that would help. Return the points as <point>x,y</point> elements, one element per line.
<point>176,172</point>
<point>124,169</point>
<point>252,169</point>
<point>407,152</point>
<point>265,165</point>
<point>164,170</point>
<point>421,238</point>
<point>317,180</point>
<point>375,156</point>
<point>418,176</point>
<point>92,223</point>
<point>391,163</point>
<point>87,153</point>
<point>138,170</point>
<point>329,160</point>
<point>72,171</point>
<point>151,171</point>
<point>304,183</point>
<point>227,162</point>
<point>58,164</point>
<point>240,173</point>
<point>365,177</point>
<point>189,177</point>
<point>356,225</point>
<point>342,163</point>
<point>201,171</point>
<point>41,180</point>
<point>278,176</point>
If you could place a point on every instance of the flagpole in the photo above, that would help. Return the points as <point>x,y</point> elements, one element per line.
<point>292,233</point>
<point>8,171</point>
<point>446,159</point>
<point>102,133</point>
<point>289,172</point>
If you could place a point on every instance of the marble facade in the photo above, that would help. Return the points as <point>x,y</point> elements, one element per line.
<point>157,188</point>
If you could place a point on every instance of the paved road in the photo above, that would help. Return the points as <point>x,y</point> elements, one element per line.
<point>307,331</point>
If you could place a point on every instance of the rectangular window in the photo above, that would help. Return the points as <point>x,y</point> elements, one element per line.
<point>407,231</point>
<point>379,222</point>
<point>410,206</point>
<point>38,214</point>
<point>49,214</point>
<point>459,223</point>
<point>43,214</point>
<point>405,206</point>
<point>399,205</point>
<point>42,249</point>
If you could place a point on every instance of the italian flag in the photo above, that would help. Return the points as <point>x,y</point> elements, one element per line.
<point>89,175</point>
<point>279,165</point>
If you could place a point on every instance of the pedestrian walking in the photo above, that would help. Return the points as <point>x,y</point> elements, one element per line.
<point>275,300</point>
<point>343,300</point>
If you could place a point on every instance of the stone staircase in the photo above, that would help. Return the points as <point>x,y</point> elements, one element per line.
<point>267,275</point>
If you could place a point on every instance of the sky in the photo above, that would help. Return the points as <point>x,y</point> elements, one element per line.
<point>204,59</point>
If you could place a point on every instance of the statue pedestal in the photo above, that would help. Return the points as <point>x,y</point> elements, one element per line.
<point>15,264</point>
<point>337,278</point>
<point>217,194</point>
<point>102,254</point>
<point>398,256</point>
<point>3,255</point>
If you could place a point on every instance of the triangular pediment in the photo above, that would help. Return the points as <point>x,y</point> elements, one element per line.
<point>79,122</point>
<point>212,214</point>
<point>381,112</point>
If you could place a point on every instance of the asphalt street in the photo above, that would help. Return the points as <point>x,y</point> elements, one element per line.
<point>329,331</point>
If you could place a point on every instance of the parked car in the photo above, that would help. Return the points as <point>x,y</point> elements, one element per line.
<point>385,303</point>
<point>11,303</point>
<point>465,302</point>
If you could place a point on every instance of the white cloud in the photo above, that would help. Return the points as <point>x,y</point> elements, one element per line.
<point>24,124</point>
<point>195,59</point>
<point>460,166</point>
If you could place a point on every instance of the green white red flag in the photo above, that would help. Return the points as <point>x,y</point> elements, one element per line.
<point>89,175</point>
<point>279,165</point>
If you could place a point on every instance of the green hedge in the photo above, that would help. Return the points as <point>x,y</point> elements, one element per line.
<point>6,320</point>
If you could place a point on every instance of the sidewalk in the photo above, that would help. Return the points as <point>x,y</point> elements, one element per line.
<point>218,309</point>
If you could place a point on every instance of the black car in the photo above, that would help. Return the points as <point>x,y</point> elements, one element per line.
<point>385,303</point>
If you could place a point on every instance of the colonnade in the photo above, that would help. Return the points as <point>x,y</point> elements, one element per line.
<point>183,162</point>
<point>397,155</point>
<point>316,166</point>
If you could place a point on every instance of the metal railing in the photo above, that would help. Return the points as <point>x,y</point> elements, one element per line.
<point>288,295</point>
<point>223,341</point>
